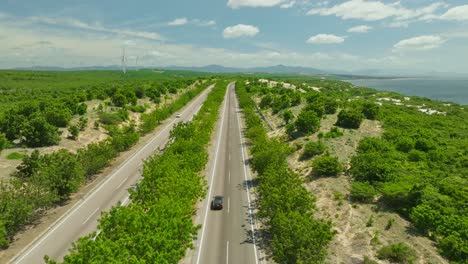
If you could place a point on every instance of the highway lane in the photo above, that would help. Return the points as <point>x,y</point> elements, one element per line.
<point>81,219</point>
<point>226,235</point>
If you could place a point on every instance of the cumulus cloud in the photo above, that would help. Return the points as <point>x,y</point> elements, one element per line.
<point>459,13</point>
<point>253,3</point>
<point>420,43</point>
<point>360,29</point>
<point>178,22</point>
<point>240,30</point>
<point>325,39</point>
<point>376,10</point>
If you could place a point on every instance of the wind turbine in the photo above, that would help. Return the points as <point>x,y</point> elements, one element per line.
<point>124,60</point>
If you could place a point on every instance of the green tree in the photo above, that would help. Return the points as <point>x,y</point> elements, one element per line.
<point>37,132</point>
<point>362,192</point>
<point>118,99</point>
<point>350,119</point>
<point>326,166</point>
<point>74,131</point>
<point>312,149</point>
<point>307,122</point>
<point>287,116</point>
<point>370,110</point>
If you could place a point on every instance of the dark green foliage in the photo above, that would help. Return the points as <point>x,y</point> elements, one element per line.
<point>372,167</point>
<point>312,149</point>
<point>266,101</point>
<point>317,106</point>
<point>118,99</point>
<point>362,192</point>
<point>307,122</point>
<point>37,132</point>
<point>287,116</point>
<point>96,156</point>
<point>370,110</point>
<point>83,123</point>
<point>58,116</point>
<point>350,119</point>
<point>404,144</point>
<point>137,108</point>
<point>3,142</point>
<point>74,131</point>
<point>330,106</point>
<point>326,166</point>
<point>335,132</point>
<point>398,253</point>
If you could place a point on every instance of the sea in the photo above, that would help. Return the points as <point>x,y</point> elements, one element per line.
<point>446,90</point>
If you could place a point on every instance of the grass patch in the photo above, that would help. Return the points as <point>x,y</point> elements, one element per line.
<point>15,156</point>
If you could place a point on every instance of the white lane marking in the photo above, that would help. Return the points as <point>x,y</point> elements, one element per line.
<point>229,156</point>
<point>248,190</point>
<point>229,177</point>
<point>227,252</point>
<point>44,235</point>
<point>89,217</point>
<point>229,204</point>
<point>122,182</point>
<point>211,180</point>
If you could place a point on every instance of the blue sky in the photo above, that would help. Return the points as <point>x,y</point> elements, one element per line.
<point>407,36</point>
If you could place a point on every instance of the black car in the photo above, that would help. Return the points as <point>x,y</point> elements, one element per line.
<point>217,203</point>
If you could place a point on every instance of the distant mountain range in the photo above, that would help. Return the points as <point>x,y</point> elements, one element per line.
<point>368,73</point>
<point>209,68</point>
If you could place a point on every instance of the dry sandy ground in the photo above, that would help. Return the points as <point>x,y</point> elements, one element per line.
<point>353,239</point>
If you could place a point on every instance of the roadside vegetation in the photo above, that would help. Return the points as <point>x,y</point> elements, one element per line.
<point>286,209</point>
<point>44,180</point>
<point>157,227</point>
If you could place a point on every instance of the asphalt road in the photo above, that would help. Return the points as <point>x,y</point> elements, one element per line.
<point>226,235</point>
<point>81,219</point>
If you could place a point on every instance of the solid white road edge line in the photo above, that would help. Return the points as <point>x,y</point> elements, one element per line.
<point>39,239</point>
<point>227,252</point>
<point>212,176</point>
<point>248,188</point>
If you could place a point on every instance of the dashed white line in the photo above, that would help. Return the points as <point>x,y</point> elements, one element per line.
<point>122,182</point>
<point>212,177</point>
<point>229,177</point>
<point>229,204</point>
<point>89,217</point>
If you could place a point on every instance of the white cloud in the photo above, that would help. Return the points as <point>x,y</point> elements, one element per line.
<point>203,23</point>
<point>360,29</point>
<point>253,3</point>
<point>288,5</point>
<point>74,23</point>
<point>376,10</point>
<point>420,43</point>
<point>240,30</point>
<point>178,22</point>
<point>325,39</point>
<point>459,13</point>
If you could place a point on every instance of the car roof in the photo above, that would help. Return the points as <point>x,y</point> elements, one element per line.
<point>217,197</point>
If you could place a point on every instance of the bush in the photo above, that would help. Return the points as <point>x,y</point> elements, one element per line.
<point>74,131</point>
<point>15,156</point>
<point>287,116</point>
<point>307,122</point>
<point>110,118</point>
<point>400,253</point>
<point>362,192</point>
<point>326,166</point>
<point>312,149</point>
<point>350,119</point>
<point>38,133</point>
<point>370,110</point>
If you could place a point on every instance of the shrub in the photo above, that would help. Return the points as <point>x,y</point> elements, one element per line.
<point>15,156</point>
<point>307,122</point>
<point>334,133</point>
<point>74,131</point>
<point>350,119</point>
<point>400,253</point>
<point>312,149</point>
<point>38,133</point>
<point>3,142</point>
<point>287,116</point>
<point>370,110</point>
<point>110,118</point>
<point>326,166</point>
<point>362,192</point>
